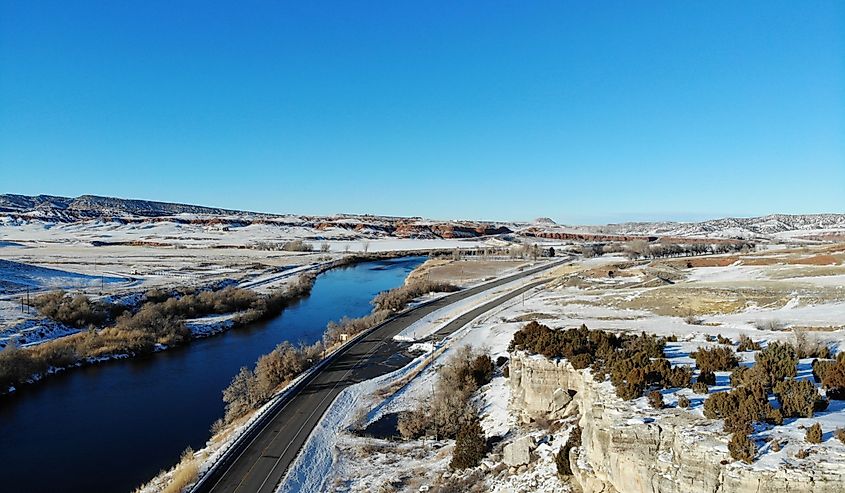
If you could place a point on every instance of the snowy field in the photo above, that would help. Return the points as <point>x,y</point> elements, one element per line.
<point>37,257</point>
<point>16,232</point>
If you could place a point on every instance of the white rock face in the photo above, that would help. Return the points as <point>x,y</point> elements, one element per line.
<point>539,388</point>
<point>625,450</point>
<point>518,453</point>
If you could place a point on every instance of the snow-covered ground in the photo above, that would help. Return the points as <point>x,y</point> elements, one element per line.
<point>338,459</point>
<point>46,257</point>
<point>189,235</point>
<point>434,321</point>
<point>33,331</point>
<point>16,277</point>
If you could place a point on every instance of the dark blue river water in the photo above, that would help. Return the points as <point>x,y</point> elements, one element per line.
<point>111,427</point>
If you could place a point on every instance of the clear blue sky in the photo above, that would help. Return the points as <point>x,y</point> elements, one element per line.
<point>580,111</point>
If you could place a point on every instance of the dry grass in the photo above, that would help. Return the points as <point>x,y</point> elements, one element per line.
<point>530,317</point>
<point>814,328</point>
<point>682,301</point>
<point>442,270</point>
<point>184,474</point>
<point>806,271</point>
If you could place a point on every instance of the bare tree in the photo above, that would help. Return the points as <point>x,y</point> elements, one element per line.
<point>241,394</point>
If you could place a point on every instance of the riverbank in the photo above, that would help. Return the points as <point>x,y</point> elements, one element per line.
<point>73,348</point>
<point>288,366</point>
<point>133,416</point>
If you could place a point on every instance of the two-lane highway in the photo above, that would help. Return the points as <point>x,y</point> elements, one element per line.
<point>260,459</point>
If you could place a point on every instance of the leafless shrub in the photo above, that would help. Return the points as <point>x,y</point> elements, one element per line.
<point>76,311</point>
<point>252,388</point>
<point>456,483</point>
<point>347,327</point>
<point>773,325</point>
<point>396,299</point>
<point>448,407</point>
<point>297,245</point>
<point>808,347</point>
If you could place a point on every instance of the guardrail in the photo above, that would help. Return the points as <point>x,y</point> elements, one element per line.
<point>258,423</point>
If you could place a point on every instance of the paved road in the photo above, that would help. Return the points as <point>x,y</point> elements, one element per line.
<point>260,460</point>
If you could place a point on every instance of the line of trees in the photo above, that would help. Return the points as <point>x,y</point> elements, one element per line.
<point>159,321</point>
<point>287,246</point>
<point>637,249</point>
<point>643,249</point>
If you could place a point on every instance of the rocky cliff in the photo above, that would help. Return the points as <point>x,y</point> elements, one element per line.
<point>627,449</point>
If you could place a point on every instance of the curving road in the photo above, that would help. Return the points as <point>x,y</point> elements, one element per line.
<point>261,457</point>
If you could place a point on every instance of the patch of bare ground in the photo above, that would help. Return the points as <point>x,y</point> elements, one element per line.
<point>803,256</point>
<point>806,271</point>
<point>812,328</point>
<point>681,301</point>
<point>463,271</point>
<point>528,317</point>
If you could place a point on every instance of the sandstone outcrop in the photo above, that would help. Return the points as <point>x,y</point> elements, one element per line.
<point>630,450</point>
<point>518,453</point>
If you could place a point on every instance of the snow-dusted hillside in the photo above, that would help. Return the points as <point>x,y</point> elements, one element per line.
<point>774,225</point>
<point>89,215</point>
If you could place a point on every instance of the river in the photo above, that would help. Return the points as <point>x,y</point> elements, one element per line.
<point>110,427</point>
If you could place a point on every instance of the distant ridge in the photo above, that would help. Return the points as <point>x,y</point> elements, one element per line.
<point>736,227</point>
<point>22,209</point>
<point>92,206</point>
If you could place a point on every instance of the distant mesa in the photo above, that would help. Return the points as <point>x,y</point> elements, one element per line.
<point>546,221</point>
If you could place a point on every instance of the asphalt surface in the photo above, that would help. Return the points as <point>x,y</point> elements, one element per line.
<point>259,461</point>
